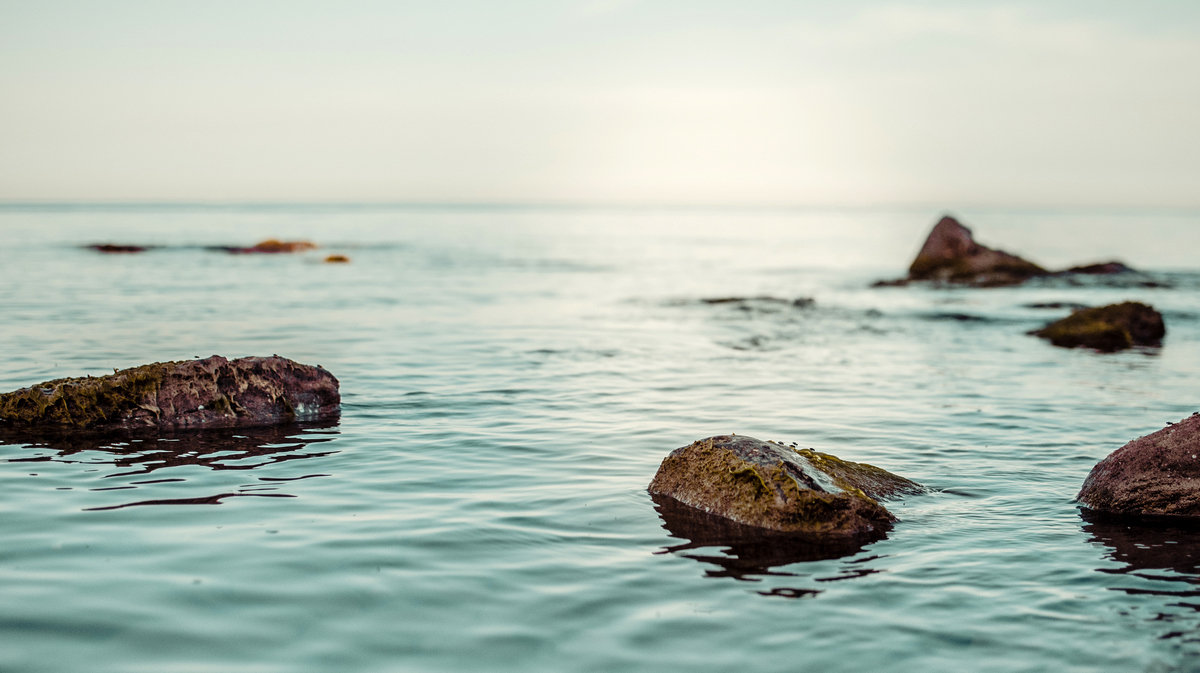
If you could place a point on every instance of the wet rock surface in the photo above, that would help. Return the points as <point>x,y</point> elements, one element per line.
<point>1107,328</point>
<point>1157,475</point>
<point>782,489</point>
<point>212,392</point>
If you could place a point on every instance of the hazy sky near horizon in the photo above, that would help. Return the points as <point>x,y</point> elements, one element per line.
<point>1007,102</point>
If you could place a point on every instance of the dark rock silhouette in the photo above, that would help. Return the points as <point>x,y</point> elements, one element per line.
<point>213,392</point>
<point>1156,475</point>
<point>1107,328</point>
<point>774,487</point>
<point>116,248</point>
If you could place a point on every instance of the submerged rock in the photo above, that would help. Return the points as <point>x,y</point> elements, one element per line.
<point>337,259</point>
<point>778,488</point>
<point>1107,328</point>
<point>951,255</point>
<point>213,392</point>
<point>1155,475</point>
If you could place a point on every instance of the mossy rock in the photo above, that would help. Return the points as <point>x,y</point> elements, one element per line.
<point>213,392</point>
<point>1107,328</point>
<point>779,488</point>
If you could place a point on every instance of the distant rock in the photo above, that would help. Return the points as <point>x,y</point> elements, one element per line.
<point>115,248</point>
<point>213,392</point>
<point>951,256</point>
<point>763,301</point>
<point>1156,475</point>
<point>781,489</point>
<point>272,246</point>
<point>337,259</point>
<point>1100,269</point>
<point>1107,328</point>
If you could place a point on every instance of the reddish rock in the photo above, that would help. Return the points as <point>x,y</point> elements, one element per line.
<point>1155,475</point>
<point>1107,328</point>
<point>777,488</point>
<point>213,392</point>
<point>951,255</point>
<point>274,246</point>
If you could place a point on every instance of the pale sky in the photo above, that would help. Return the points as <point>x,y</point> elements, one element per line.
<point>758,102</point>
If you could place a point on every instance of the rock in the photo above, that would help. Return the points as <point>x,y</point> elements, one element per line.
<point>1155,475</point>
<point>1100,269</point>
<point>1107,328</point>
<point>111,248</point>
<point>273,246</point>
<point>951,255</point>
<point>774,487</point>
<point>337,259</point>
<point>213,392</point>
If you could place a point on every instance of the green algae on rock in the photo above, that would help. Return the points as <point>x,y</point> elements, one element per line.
<point>779,488</point>
<point>1107,328</point>
<point>213,392</point>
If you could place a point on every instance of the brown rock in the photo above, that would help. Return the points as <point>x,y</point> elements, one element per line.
<point>1155,475</point>
<point>213,392</point>
<point>274,246</point>
<point>1100,269</point>
<point>951,255</point>
<point>777,488</point>
<point>1107,328</point>
<point>337,259</point>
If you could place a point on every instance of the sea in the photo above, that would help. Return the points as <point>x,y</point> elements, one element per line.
<point>511,378</point>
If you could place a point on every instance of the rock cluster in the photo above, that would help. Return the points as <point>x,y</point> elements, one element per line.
<point>213,392</point>
<point>778,488</point>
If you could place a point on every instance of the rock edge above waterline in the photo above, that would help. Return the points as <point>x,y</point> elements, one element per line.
<point>1154,475</point>
<point>779,488</point>
<point>212,392</point>
<point>1107,328</point>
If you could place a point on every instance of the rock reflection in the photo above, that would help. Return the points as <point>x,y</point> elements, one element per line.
<point>127,458</point>
<point>747,553</point>
<point>1164,554</point>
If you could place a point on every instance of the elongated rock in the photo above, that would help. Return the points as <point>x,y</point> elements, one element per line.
<point>213,392</point>
<point>779,488</point>
<point>1155,475</point>
<point>1107,328</point>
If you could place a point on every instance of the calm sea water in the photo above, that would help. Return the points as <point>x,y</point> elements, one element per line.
<point>511,379</point>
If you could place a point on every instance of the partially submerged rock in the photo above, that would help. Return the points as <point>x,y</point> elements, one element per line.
<point>951,255</point>
<point>1107,328</point>
<point>117,248</point>
<point>273,246</point>
<point>337,259</point>
<point>213,392</point>
<point>1155,475</point>
<point>778,488</point>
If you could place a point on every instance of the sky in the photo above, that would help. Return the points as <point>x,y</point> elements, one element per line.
<point>755,102</point>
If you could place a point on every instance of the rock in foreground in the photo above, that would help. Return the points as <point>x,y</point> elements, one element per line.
<point>771,486</point>
<point>951,255</point>
<point>1107,328</point>
<point>213,392</point>
<point>1155,475</point>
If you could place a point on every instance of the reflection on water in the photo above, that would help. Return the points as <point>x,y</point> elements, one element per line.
<point>127,458</point>
<point>1162,558</point>
<point>746,553</point>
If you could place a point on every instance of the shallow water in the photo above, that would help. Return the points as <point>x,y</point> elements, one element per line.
<point>511,379</point>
